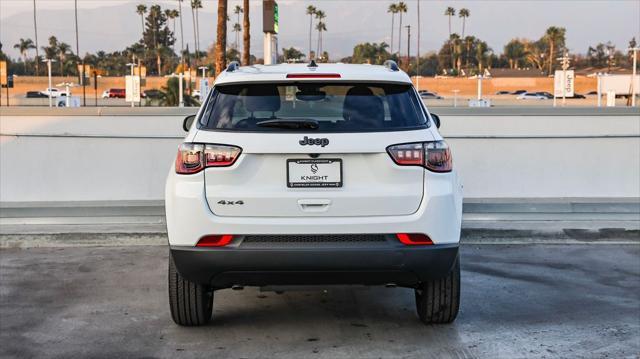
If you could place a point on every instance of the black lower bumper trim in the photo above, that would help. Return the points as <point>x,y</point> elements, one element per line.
<point>225,267</point>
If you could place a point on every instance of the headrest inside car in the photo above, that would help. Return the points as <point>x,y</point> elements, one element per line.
<point>262,98</point>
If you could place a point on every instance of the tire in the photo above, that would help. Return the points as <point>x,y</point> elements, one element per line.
<point>438,301</point>
<point>191,303</point>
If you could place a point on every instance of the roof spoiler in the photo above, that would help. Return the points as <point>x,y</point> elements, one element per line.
<point>234,65</point>
<point>391,65</point>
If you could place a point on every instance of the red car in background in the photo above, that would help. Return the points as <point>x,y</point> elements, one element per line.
<point>114,93</point>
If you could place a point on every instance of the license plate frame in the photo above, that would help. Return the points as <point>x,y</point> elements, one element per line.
<point>310,161</point>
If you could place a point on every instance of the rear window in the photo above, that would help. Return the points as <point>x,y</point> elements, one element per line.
<point>333,107</point>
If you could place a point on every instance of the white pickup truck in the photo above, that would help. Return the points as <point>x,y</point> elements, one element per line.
<point>54,92</point>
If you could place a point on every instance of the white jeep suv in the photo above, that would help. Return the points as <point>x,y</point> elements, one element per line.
<point>299,174</point>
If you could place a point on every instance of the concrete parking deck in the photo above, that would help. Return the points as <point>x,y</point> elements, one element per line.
<point>517,301</point>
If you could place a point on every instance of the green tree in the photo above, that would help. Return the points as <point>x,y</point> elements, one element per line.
<point>449,12</point>
<point>196,5</point>
<point>172,14</point>
<point>23,46</point>
<point>311,11</point>
<point>141,9</point>
<point>170,94</point>
<point>320,26</point>
<point>64,50</point>
<point>515,52</point>
<point>555,37</point>
<point>464,14</point>
<point>371,53</point>
<point>292,55</point>
<point>402,8</point>
<point>393,10</point>
<point>157,37</point>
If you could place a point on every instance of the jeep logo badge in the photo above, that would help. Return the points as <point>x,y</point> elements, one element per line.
<point>306,141</point>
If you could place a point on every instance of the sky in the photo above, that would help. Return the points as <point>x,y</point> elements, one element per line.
<point>113,24</point>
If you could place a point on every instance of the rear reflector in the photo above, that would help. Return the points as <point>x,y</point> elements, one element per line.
<point>215,240</point>
<point>414,239</point>
<point>313,76</point>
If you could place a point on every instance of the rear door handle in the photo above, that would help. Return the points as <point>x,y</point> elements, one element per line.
<point>314,205</point>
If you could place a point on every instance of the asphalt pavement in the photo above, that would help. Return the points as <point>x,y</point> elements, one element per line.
<point>518,301</point>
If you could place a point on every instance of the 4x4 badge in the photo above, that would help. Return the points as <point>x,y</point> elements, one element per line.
<point>306,141</point>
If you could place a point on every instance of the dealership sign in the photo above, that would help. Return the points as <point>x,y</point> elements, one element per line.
<point>567,83</point>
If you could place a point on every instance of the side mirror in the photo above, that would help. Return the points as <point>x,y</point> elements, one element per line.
<point>188,121</point>
<point>436,119</point>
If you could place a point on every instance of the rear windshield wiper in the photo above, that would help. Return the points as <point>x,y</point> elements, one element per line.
<point>301,124</point>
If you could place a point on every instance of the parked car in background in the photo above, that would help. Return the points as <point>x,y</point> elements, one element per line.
<point>532,96</point>
<point>35,94</point>
<point>152,93</point>
<point>577,95</point>
<point>518,92</point>
<point>545,94</point>
<point>197,95</point>
<point>503,93</point>
<point>105,94</point>
<point>55,92</point>
<point>115,93</point>
<point>426,95</point>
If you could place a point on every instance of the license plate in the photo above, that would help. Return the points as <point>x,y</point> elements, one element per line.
<point>311,173</point>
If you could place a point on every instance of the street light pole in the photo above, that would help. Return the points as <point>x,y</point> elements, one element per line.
<point>634,90</point>
<point>49,61</point>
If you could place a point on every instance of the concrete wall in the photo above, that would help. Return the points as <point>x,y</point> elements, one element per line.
<point>124,154</point>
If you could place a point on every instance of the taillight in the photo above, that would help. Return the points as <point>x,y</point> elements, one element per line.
<point>194,157</point>
<point>215,240</point>
<point>414,239</point>
<point>434,156</point>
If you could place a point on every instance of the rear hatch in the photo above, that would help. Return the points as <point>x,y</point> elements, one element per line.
<point>313,150</point>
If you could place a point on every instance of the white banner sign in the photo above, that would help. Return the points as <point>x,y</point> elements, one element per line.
<point>568,83</point>
<point>132,88</point>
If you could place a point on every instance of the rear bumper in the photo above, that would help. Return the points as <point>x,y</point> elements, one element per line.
<point>405,266</point>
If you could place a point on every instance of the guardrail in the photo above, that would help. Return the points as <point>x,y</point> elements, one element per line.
<point>123,154</point>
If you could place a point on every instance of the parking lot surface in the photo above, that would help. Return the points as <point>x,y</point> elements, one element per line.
<point>518,301</point>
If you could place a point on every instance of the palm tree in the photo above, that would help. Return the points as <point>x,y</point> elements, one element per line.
<point>402,8</point>
<point>221,40</point>
<point>553,36</point>
<point>172,15</point>
<point>450,12</point>
<point>195,31</point>
<point>181,33</point>
<point>464,14</point>
<point>237,28</point>
<point>311,11</point>
<point>198,5</point>
<point>320,15</point>
<point>393,9</point>
<point>35,28</point>
<point>63,51</point>
<point>246,35</point>
<point>23,46</point>
<point>237,10</point>
<point>141,9</point>
<point>321,26</point>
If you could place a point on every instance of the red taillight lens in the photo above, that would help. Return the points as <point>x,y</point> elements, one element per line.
<point>215,240</point>
<point>189,159</point>
<point>414,239</point>
<point>220,156</point>
<point>434,156</point>
<point>194,157</point>
<point>438,156</point>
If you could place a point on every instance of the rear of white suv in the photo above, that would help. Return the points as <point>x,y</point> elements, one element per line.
<point>299,175</point>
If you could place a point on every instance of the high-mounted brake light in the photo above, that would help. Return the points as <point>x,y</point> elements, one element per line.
<point>434,156</point>
<point>215,240</point>
<point>194,157</point>
<point>313,76</point>
<point>411,239</point>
